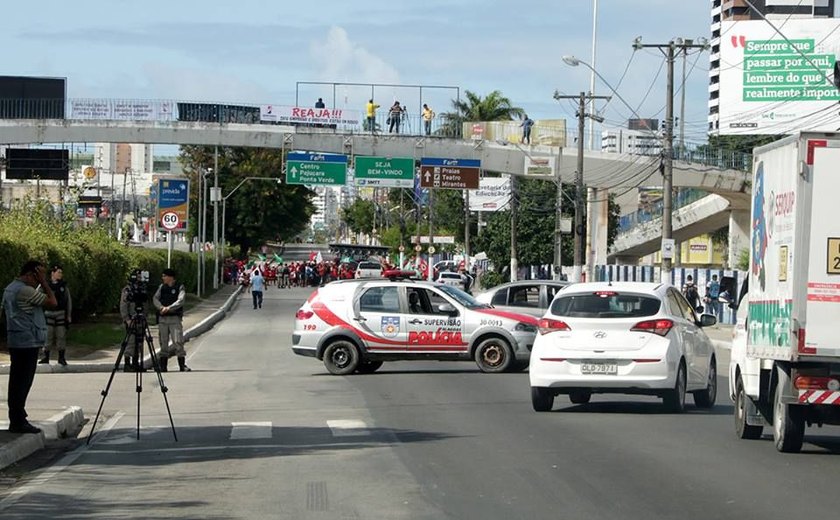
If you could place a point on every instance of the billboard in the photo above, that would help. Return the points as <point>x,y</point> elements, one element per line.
<point>173,196</point>
<point>303,115</point>
<point>25,97</point>
<point>118,110</point>
<point>493,194</point>
<point>36,163</point>
<point>771,85</point>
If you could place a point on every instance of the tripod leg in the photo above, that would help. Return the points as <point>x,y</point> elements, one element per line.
<point>163,388</point>
<point>104,392</point>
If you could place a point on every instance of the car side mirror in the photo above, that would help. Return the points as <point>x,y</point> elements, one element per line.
<point>448,309</point>
<point>707,320</point>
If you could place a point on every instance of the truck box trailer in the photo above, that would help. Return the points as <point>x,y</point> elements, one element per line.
<point>785,363</point>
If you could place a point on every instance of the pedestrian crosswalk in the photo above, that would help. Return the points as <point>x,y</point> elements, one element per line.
<point>240,430</point>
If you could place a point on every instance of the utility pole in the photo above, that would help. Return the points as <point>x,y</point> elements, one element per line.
<point>514,222</point>
<point>216,193</point>
<point>558,219</point>
<point>467,230</point>
<point>670,50</point>
<point>580,229</point>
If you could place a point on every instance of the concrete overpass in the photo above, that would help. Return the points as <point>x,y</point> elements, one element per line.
<point>607,171</point>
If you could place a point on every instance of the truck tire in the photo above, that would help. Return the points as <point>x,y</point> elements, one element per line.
<point>542,399</point>
<point>742,429</point>
<point>494,355</point>
<point>341,357</point>
<point>788,419</point>
<point>706,398</point>
<point>674,399</point>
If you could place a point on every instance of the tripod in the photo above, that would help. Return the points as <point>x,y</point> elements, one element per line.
<point>138,329</point>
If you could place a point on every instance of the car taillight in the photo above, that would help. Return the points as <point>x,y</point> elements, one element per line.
<point>660,327</point>
<point>303,315</point>
<point>816,383</point>
<point>547,326</point>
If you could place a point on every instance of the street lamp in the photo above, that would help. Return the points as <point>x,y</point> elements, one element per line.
<point>573,61</point>
<point>224,210</point>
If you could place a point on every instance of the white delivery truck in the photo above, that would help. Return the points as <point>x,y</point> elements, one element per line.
<point>785,363</point>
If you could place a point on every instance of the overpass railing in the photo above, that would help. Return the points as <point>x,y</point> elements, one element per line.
<point>341,120</point>
<point>654,211</point>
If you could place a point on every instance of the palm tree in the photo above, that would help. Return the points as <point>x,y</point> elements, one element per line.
<point>493,107</point>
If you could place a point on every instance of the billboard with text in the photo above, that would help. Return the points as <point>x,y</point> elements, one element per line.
<point>771,84</point>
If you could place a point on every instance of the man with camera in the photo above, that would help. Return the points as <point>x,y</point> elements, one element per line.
<point>26,333</point>
<point>169,302</point>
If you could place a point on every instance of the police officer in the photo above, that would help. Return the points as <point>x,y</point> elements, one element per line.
<point>169,302</point>
<point>128,310</point>
<point>58,319</point>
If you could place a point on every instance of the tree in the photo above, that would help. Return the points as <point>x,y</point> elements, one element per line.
<point>258,211</point>
<point>493,107</point>
<point>359,216</point>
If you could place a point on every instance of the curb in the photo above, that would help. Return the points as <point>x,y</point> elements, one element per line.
<point>196,330</point>
<point>60,425</point>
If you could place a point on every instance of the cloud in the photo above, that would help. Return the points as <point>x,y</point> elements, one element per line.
<point>337,58</point>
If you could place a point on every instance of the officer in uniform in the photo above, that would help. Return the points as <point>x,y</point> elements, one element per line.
<point>58,319</point>
<point>169,302</point>
<point>128,309</point>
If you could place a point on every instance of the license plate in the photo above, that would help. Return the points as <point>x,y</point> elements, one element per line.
<point>605,369</point>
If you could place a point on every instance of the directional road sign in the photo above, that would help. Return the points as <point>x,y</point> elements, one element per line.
<point>454,174</point>
<point>316,168</point>
<point>385,172</point>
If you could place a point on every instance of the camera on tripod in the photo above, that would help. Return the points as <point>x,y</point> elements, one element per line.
<point>138,288</point>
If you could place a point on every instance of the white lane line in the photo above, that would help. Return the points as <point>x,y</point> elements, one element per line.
<point>43,476</point>
<point>348,428</point>
<point>250,430</point>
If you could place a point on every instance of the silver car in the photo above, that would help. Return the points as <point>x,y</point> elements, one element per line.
<point>526,296</point>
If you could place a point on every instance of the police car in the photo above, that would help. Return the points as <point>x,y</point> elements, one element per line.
<point>356,325</point>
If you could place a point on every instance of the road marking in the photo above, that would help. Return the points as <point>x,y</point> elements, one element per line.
<point>250,430</point>
<point>43,476</point>
<point>348,428</point>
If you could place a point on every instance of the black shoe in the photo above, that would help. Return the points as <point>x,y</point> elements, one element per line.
<point>45,360</point>
<point>164,364</point>
<point>61,359</point>
<point>24,428</point>
<point>182,364</point>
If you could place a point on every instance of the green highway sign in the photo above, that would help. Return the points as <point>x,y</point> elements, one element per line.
<point>316,169</point>
<point>385,172</point>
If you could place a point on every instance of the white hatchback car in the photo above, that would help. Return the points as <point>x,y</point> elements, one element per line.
<point>355,325</point>
<point>626,337</point>
<point>368,269</point>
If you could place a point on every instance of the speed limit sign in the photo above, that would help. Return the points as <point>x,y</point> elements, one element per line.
<point>170,221</point>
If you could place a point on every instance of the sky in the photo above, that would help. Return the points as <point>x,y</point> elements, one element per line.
<point>259,51</point>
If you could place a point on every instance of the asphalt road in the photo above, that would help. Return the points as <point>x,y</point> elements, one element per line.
<point>263,433</point>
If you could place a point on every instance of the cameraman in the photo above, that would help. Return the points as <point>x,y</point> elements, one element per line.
<point>128,310</point>
<point>169,302</point>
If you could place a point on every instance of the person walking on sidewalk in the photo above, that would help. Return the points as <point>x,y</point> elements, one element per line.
<point>169,302</point>
<point>58,319</point>
<point>257,284</point>
<point>26,333</point>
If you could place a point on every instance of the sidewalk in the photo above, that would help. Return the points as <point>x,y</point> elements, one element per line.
<point>67,422</point>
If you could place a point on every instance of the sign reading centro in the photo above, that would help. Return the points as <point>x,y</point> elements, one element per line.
<point>316,169</point>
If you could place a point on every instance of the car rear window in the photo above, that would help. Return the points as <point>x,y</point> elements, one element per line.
<point>606,304</point>
<point>369,265</point>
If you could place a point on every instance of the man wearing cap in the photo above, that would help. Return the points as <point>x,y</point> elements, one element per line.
<point>169,302</point>
<point>58,319</point>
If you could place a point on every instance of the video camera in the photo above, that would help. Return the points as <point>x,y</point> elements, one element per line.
<point>138,287</point>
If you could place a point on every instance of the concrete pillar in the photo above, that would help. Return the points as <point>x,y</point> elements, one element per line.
<point>598,228</point>
<point>739,235</point>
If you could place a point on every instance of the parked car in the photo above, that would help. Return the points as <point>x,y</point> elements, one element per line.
<point>368,269</point>
<point>527,296</point>
<point>454,279</point>
<point>631,338</point>
<point>355,325</point>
